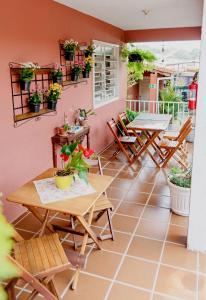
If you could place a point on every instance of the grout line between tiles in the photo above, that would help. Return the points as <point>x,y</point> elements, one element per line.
<point>129,243</point>
<point>160,259</point>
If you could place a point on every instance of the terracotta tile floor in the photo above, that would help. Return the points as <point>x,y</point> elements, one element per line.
<point>148,259</point>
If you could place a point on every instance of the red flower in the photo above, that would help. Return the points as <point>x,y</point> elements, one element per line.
<point>64,157</point>
<point>81,148</point>
<point>88,152</point>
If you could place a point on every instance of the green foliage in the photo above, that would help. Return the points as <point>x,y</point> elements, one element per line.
<point>145,55</point>
<point>169,96</point>
<point>56,73</point>
<point>26,74</point>
<point>76,69</point>
<point>131,114</point>
<point>181,178</point>
<point>83,114</point>
<point>7,269</point>
<point>35,98</point>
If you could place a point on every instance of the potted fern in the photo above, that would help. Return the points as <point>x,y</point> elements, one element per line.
<point>179,182</point>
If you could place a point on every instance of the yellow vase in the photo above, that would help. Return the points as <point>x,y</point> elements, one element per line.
<point>63,182</point>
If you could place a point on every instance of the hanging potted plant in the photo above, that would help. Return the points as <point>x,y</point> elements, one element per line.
<point>89,50</point>
<point>179,182</point>
<point>70,46</point>
<point>76,69</point>
<point>72,157</point>
<point>135,56</point>
<point>57,74</point>
<point>27,74</point>
<point>34,102</point>
<point>54,93</point>
<point>87,66</point>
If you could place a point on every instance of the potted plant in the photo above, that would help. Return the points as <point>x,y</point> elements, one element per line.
<point>54,93</point>
<point>89,50</point>
<point>27,74</point>
<point>76,69</point>
<point>87,66</point>
<point>57,74</point>
<point>83,115</point>
<point>180,183</point>
<point>70,46</point>
<point>34,101</point>
<point>72,157</point>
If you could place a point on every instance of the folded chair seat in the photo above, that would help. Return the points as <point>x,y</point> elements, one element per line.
<point>168,144</point>
<point>128,139</point>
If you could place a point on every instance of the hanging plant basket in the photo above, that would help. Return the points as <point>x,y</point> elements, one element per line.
<point>34,107</point>
<point>52,105</point>
<point>135,57</point>
<point>69,55</point>
<point>85,74</point>
<point>25,85</point>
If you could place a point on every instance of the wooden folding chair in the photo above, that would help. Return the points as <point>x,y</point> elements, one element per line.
<point>173,148</point>
<point>102,206</point>
<point>124,121</point>
<point>39,260</point>
<point>124,142</point>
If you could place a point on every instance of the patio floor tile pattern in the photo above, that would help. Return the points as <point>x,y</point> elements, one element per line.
<point>148,259</point>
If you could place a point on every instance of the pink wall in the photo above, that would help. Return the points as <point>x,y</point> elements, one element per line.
<point>163,34</point>
<point>30,32</point>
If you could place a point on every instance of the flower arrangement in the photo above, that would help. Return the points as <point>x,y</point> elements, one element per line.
<point>89,50</point>
<point>54,92</point>
<point>73,161</point>
<point>87,66</point>
<point>70,45</point>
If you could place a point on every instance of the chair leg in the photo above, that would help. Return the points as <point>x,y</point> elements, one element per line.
<point>10,289</point>
<point>73,236</point>
<point>53,289</point>
<point>100,214</point>
<point>110,224</point>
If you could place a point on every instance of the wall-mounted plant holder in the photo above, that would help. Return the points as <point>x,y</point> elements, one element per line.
<point>68,62</point>
<point>21,93</point>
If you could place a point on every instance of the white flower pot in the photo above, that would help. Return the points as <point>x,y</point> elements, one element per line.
<point>180,199</point>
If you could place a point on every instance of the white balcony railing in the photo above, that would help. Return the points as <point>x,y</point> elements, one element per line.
<point>179,110</point>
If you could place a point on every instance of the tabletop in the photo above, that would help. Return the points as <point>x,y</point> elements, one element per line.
<point>79,206</point>
<point>151,122</point>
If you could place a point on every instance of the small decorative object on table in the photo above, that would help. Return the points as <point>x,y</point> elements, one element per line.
<point>27,74</point>
<point>76,69</point>
<point>87,66</point>
<point>70,46</point>
<point>57,74</point>
<point>34,101</point>
<point>89,50</point>
<point>54,93</point>
<point>179,183</point>
<point>83,115</point>
<point>72,156</point>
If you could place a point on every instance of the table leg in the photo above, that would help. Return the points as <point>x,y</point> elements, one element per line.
<point>54,153</point>
<point>42,219</point>
<point>88,232</point>
<point>88,141</point>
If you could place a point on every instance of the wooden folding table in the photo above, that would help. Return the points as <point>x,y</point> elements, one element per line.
<point>78,207</point>
<point>151,125</point>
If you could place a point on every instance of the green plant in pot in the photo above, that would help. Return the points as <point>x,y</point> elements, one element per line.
<point>167,97</point>
<point>34,101</point>
<point>54,94</point>
<point>70,46</point>
<point>89,50</point>
<point>73,162</point>
<point>84,114</point>
<point>87,66</point>
<point>179,182</point>
<point>76,70</point>
<point>57,74</point>
<point>26,75</point>
<point>8,270</point>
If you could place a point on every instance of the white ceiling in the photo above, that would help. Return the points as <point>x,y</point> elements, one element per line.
<point>128,15</point>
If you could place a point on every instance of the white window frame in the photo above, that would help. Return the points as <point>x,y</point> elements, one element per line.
<point>117,61</point>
